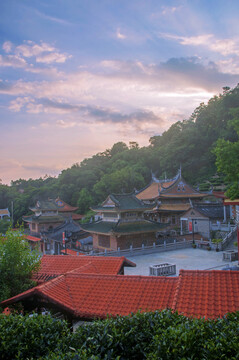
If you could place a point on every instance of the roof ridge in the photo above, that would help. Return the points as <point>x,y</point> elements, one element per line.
<point>177,290</point>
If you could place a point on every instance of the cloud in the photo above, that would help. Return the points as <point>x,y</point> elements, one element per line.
<point>42,53</point>
<point>126,84</point>
<point>17,104</point>
<point>133,96</point>
<point>52,18</point>
<point>223,46</point>
<point>90,113</point>
<point>52,57</point>
<point>12,61</point>
<point>7,46</point>
<point>169,9</point>
<point>30,49</point>
<point>120,35</point>
<point>66,124</point>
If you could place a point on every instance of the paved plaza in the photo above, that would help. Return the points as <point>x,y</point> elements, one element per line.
<point>187,259</point>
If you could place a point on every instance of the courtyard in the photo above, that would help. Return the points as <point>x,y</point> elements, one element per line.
<point>187,259</point>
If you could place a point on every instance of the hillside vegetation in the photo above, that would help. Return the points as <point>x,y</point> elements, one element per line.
<point>206,141</point>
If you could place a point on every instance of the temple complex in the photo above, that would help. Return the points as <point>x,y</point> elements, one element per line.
<point>122,224</point>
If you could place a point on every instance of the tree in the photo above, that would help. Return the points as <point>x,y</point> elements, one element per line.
<point>4,225</point>
<point>118,148</point>
<point>227,159</point>
<point>17,263</point>
<point>84,201</point>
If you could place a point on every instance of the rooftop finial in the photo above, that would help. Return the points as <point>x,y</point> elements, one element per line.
<point>180,171</point>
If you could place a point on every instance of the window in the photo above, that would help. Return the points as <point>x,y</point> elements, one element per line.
<point>173,220</point>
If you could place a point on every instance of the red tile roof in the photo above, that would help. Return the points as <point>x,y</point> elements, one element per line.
<point>205,293</point>
<point>72,252</point>
<point>32,238</point>
<point>55,265</point>
<point>96,296</point>
<point>196,293</point>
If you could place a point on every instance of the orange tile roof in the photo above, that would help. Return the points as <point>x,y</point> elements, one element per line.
<point>96,296</point>
<point>55,265</point>
<point>72,252</point>
<point>32,238</point>
<point>205,293</point>
<point>174,207</point>
<point>196,293</point>
<point>152,191</point>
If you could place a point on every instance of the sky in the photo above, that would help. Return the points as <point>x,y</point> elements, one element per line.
<point>77,76</point>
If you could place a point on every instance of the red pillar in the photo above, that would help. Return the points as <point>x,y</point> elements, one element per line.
<point>238,241</point>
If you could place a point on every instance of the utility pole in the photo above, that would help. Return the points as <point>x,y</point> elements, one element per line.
<point>12,213</point>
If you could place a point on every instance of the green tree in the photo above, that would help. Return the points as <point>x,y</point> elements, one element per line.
<point>84,201</point>
<point>17,263</point>
<point>118,148</point>
<point>4,225</point>
<point>227,159</point>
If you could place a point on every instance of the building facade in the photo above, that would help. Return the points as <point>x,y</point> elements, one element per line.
<point>122,224</point>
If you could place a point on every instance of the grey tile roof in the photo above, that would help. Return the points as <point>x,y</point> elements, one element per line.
<point>213,211</point>
<point>123,202</point>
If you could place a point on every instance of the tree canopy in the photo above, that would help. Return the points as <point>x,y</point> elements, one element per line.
<point>17,263</point>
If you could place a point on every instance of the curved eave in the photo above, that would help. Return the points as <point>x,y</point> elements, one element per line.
<point>182,195</point>
<point>117,210</point>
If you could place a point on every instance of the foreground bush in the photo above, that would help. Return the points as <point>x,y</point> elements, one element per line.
<point>158,335</point>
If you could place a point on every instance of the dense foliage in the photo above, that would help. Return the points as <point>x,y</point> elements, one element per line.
<point>195,143</point>
<point>227,153</point>
<point>17,263</point>
<point>159,335</point>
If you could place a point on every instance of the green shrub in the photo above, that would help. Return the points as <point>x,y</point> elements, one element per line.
<point>156,335</point>
<point>24,337</point>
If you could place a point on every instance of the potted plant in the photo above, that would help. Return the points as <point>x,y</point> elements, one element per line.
<point>217,242</point>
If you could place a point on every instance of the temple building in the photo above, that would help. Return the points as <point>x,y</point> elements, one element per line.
<point>67,210</point>
<point>173,197</point>
<point>54,228</point>
<point>49,214</point>
<point>122,224</point>
<point>46,216</point>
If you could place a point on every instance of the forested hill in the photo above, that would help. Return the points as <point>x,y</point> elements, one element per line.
<point>125,168</point>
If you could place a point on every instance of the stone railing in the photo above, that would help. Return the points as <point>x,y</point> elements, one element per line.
<point>145,249</point>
